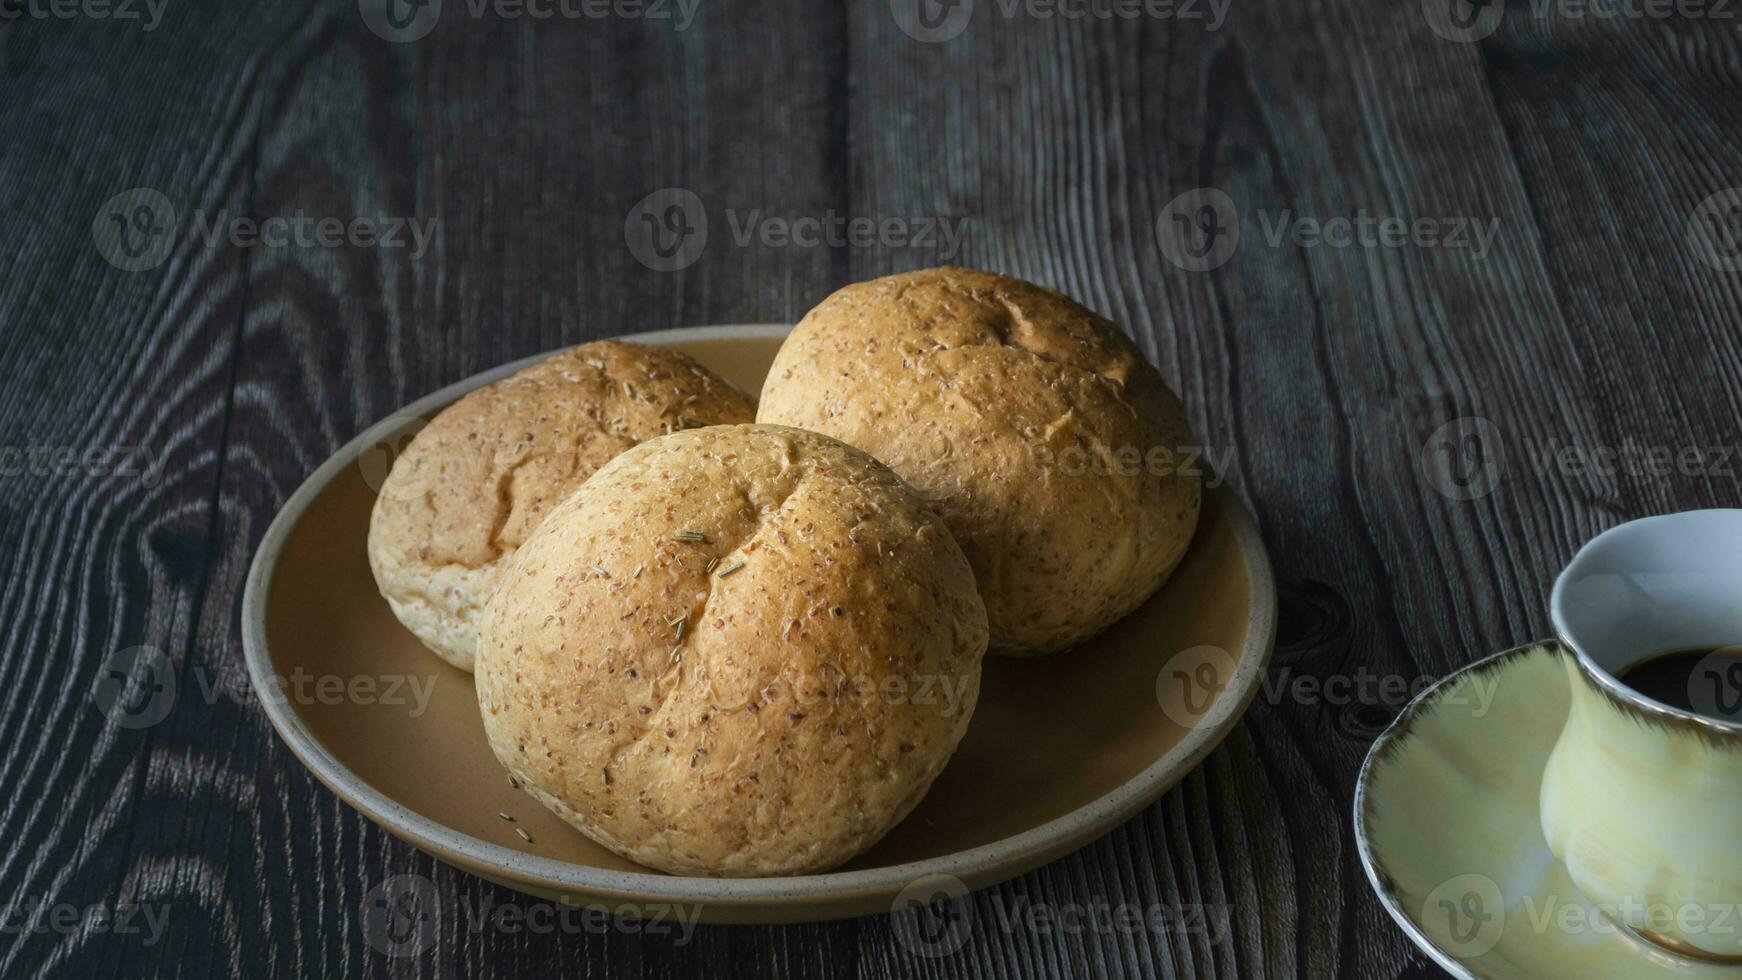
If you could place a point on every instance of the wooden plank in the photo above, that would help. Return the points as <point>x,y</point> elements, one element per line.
<point>102,563</point>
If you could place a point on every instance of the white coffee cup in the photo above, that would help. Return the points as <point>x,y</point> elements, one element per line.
<point>1643,801</point>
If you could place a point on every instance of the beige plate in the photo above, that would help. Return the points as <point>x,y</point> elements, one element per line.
<point>1447,824</point>
<point>1060,751</point>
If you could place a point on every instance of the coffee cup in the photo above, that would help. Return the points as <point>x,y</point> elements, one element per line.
<point>1642,798</point>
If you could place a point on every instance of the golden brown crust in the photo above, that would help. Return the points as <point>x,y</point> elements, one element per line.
<point>776,714</point>
<point>1051,448</point>
<point>473,484</point>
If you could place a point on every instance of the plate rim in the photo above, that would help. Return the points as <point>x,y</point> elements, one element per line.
<point>1394,734</point>
<point>991,862</point>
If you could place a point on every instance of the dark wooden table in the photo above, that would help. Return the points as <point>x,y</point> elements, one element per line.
<point>1420,423</point>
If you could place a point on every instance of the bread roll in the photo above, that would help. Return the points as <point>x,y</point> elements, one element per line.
<point>735,651</point>
<point>474,483</point>
<point>1054,452</point>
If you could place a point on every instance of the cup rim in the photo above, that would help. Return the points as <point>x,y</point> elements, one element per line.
<point>1600,675</point>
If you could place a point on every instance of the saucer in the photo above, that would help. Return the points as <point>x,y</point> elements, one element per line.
<point>1448,829</point>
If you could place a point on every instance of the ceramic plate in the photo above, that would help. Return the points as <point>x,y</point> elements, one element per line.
<point>1060,750</point>
<point>1447,824</point>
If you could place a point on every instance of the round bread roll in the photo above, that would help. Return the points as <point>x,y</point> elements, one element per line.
<point>735,651</point>
<point>481,475</point>
<point>1055,453</point>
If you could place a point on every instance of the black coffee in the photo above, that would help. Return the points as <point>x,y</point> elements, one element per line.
<point>1707,681</point>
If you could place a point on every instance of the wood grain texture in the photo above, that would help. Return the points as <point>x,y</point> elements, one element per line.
<point>1322,373</point>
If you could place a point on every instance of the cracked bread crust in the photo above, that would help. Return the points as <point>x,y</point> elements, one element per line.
<point>1055,453</point>
<point>472,485</point>
<point>766,694</point>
